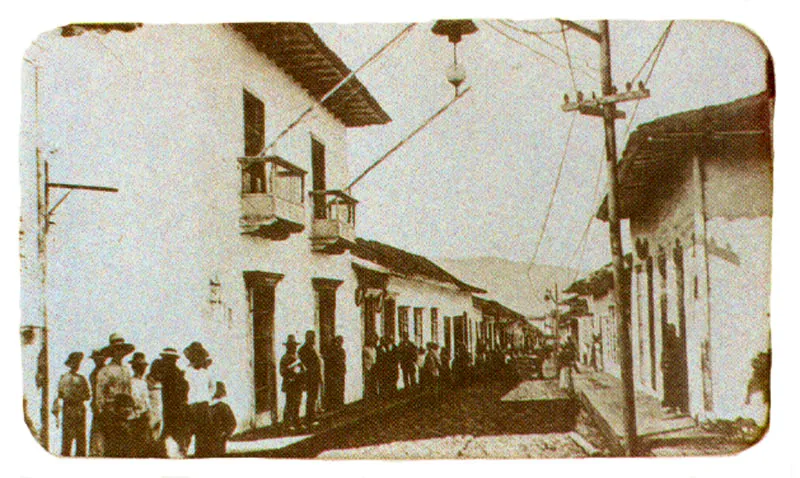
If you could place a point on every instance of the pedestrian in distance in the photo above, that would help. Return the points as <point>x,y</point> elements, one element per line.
<point>368,361</point>
<point>431,368</point>
<point>201,389</point>
<point>95,434</point>
<point>141,442</point>
<point>407,352</point>
<point>313,366</point>
<point>114,400</point>
<point>335,371</point>
<point>293,374</point>
<point>223,422</point>
<point>73,392</point>
<point>566,362</point>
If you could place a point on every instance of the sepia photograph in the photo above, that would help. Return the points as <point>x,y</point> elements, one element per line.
<point>450,238</point>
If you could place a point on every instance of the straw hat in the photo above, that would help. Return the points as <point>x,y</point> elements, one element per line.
<point>117,345</point>
<point>291,340</point>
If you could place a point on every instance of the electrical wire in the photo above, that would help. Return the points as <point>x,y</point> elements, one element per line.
<point>657,49</point>
<point>535,51</point>
<point>550,202</point>
<point>538,35</point>
<point>569,59</point>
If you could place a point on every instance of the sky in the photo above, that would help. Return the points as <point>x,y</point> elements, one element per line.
<point>478,180</point>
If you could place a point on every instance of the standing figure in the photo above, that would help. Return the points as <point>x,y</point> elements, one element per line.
<point>174,395</point>
<point>313,367</point>
<point>201,390</point>
<point>368,360</point>
<point>223,422</point>
<point>335,370</point>
<point>670,370</point>
<point>431,368</point>
<point>444,373</point>
<point>384,363</point>
<point>292,372</point>
<point>141,444</point>
<point>114,402</point>
<point>566,362</point>
<point>95,434</point>
<point>73,391</point>
<point>407,353</point>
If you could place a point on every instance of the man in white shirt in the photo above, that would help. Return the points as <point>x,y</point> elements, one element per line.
<point>201,390</point>
<point>139,421</point>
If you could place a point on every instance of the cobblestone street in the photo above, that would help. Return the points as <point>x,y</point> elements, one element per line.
<point>473,422</point>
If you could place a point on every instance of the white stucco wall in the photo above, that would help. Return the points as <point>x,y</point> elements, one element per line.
<point>740,312</point>
<point>158,114</point>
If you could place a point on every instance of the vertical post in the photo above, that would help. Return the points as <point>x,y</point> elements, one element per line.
<point>41,239</point>
<point>615,238</point>
<point>558,324</point>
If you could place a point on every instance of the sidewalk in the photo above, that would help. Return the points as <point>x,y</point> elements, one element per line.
<point>659,435</point>
<point>271,439</point>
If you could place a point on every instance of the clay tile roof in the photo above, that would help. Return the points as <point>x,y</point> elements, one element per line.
<point>302,54</point>
<point>655,149</point>
<point>406,263</point>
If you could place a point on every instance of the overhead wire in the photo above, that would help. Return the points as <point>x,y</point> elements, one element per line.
<point>550,202</point>
<point>535,51</point>
<point>580,249</point>
<point>338,85</point>
<point>538,35</point>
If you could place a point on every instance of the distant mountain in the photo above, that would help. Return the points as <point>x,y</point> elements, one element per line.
<point>507,281</point>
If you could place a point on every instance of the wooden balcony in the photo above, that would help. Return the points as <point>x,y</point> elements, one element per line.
<point>272,201</point>
<point>334,227</point>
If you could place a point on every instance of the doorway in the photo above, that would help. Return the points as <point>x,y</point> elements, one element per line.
<point>326,331</point>
<point>261,299</point>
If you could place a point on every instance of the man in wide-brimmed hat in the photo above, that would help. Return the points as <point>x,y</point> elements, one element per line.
<point>139,420</point>
<point>113,381</point>
<point>201,390</point>
<point>168,379</point>
<point>73,391</point>
<point>292,372</point>
<point>313,365</point>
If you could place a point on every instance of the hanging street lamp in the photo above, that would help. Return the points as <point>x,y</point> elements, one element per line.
<point>454,30</point>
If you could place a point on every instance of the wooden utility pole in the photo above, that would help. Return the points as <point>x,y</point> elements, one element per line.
<point>605,106</point>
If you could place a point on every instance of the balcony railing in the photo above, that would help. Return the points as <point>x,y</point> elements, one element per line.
<point>273,204</point>
<point>334,226</point>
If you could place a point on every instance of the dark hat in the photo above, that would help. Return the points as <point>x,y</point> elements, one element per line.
<point>195,352</point>
<point>222,391</point>
<point>291,340</point>
<point>97,354</point>
<point>117,344</point>
<point>138,359</point>
<point>74,358</point>
<point>170,352</point>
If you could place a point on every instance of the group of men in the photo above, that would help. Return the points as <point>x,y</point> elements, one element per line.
<point>134,415</point>
<point>301,369</point>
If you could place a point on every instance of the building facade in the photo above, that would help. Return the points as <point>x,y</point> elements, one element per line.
<point>212,236</point>
<point>697,190</point>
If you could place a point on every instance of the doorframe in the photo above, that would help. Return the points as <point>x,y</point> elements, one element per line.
<point>253,279</point>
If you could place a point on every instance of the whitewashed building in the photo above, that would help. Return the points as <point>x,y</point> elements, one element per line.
<point>210,237</point>
<point>697,190</point>
<point>214,235</point>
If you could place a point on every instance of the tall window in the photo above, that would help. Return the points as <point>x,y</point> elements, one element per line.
<point>419,337</point>
<point>318,177</point>
<point>253,177</point>
<point>402,321</point>
<point>435,324</point>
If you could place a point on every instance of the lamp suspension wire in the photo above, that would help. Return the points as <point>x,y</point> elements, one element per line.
<point>336,88</point>
<point>397,146</point>
<point>538,35</point>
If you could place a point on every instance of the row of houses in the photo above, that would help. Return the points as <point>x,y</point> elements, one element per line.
<point>213,236</point>
<point>696,188</point>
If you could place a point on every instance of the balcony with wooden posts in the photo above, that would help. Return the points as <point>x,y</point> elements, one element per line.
<point>334,227</point>
<point>273,204</point>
